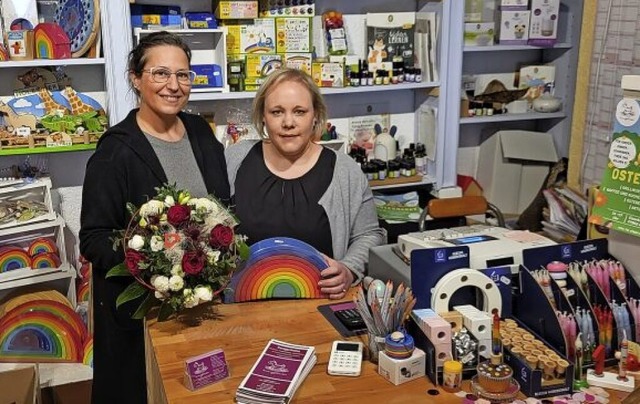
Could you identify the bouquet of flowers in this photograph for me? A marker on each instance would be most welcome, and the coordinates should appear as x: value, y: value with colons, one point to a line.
x: 180, y: 250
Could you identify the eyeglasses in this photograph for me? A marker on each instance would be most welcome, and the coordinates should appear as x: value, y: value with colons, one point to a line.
x: 162, y: 75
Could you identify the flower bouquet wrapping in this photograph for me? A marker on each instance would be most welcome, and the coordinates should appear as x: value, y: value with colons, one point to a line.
x: 180, y: 250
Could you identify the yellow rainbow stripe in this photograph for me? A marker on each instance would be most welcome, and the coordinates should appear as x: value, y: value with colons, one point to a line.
x: 42, y: 245
x: 12, y: 258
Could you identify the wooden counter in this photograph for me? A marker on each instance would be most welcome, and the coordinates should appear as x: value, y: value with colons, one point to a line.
x: 242, y: 330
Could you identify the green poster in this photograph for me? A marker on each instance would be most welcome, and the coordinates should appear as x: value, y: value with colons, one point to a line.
x: 618, y: 205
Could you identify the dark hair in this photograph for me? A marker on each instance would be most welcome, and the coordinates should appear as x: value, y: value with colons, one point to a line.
x: 139, y: 54
x: 280, y: 76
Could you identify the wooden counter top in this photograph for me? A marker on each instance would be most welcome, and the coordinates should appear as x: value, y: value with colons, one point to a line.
x: 242, y: 330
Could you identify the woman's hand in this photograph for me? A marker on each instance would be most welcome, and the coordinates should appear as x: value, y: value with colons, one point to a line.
x: 336, y: 279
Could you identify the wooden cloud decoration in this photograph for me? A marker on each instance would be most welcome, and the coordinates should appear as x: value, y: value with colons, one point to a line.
x: 278, y: 267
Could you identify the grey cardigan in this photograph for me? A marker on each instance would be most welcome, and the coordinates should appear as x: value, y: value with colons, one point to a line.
x: 348, y: 202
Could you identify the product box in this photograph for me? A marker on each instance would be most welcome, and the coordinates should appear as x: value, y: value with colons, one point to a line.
x: 479, y: 10
x: 327, y: 74
x: 538, y: 78
x: 237, y: 10
x: 544, y: 22
x: 207, y: 76
x: 257, y: 36
x: 253, y: 83
x: 21, y: 384
x: 513, y: 4
x: 262, y: 65
x: 479, y: 33
x: 532, y: 381
x: 276, y: 8
x: 20, y: 44
x: 298, y: 61
x: 293, y: 35
x: 514, y: 27
x: 143, y: 16
x: 399, y: 371
x: 201, y: 21
x: 512, y: 165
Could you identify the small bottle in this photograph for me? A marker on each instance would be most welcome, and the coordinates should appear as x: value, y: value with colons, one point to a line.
x: 386, y: 77
x: 452, y: 376
x: 418, y: 77
x: 378, y: 79
x: 354, y: 80
x: 369, y: 78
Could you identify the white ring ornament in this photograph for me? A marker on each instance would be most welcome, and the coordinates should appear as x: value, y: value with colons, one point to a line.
x: 449, y: 284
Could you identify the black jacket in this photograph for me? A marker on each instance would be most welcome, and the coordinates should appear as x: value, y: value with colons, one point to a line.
x: 125, y: 168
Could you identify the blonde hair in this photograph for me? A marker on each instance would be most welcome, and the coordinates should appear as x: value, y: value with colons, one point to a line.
x: 297, y: 76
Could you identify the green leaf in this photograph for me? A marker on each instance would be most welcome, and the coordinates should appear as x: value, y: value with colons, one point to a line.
x: 243, y: 248
x: 133, y: 291
x: 144, y: 307
x: 165, y: 311
x: 119, y: 270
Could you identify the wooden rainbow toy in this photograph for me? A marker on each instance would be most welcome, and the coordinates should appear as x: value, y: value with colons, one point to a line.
x: 12, y: 258
x: 51, y: 42
x: 38, y: 336
x: 83, y: 292
x: 62, y: 311
x: 87, y: 357
x: 278, y: 268
x: 45, y: 260
x: 42, y: 245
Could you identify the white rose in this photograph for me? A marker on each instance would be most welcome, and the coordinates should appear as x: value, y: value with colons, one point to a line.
x: 203, y: 293
x: 169, y: 201
x: 159, y: 295
x: 176, y: 283
x: 176, y: 270
x: 160, y: 283
x: 151, y: 208
x: 213, y: 256
x: 136, y: 242
x: 156, y: 243
x: 190, y: 299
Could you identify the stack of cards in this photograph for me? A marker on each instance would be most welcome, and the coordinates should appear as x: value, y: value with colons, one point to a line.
x: 277, y: 373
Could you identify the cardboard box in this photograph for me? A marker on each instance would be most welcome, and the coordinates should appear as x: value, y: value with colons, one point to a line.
x: 298, y: 61
x: 257, y: 36
x: 294, y: 35
x: 20, y: 385
x: 479, y: 33
x: 512, y: 165
x: 237, y: 10
x: 544, y: 22
x: 513, y: 28
x: 144, y: 16
x: 258, y: 65
x: 399, y: 371
x: 513, y: 4
x: 327, y: 74
x: 20, y: 44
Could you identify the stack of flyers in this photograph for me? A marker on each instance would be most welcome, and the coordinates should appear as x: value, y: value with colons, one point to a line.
x: 277, y: 373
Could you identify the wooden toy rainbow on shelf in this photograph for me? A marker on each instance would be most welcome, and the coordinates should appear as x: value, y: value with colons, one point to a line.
x: 42, y: 331
x: 278, y: 268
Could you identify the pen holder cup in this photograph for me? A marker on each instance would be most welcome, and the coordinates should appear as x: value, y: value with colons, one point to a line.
x: 375, y: 346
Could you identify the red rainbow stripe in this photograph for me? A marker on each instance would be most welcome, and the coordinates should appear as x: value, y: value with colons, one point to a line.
x: 42, y: 245
x: 12, y: 258
x: 45, y: 260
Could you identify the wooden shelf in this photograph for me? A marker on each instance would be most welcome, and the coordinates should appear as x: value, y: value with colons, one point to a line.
x: 40, y: 150
x: 389, y: 183
x: 53, y: 62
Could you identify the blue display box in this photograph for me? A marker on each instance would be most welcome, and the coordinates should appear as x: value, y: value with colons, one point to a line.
x: 207, y: 76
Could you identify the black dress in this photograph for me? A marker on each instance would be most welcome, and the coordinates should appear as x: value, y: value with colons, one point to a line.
x: 270, y: 206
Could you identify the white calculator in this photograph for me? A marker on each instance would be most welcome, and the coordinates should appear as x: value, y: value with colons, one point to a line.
x: 345, y: 359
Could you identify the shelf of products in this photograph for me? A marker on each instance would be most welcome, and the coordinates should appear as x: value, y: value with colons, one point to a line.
x: 529, y: 116
x: 49, y: 62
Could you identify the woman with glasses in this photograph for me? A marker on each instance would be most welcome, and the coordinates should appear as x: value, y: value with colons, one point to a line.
x: 155, y: 144
x: 289, y: 185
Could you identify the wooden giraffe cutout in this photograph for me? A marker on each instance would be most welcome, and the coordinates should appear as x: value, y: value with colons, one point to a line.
x: 77, y: 105
x: 50, y: 105
x: 17, y: 120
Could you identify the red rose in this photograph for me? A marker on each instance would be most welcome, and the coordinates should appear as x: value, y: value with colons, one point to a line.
x: 221, y: 236
x: 178, y: 214
x: 193, y: 262
x: 132, y: 258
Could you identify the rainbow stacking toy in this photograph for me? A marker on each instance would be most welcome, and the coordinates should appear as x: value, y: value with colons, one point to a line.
x: 62, y: 311
x: 45, y: 260
x: 87, y: 357
x: 278, y: 267
x: 39, y: 336
x: 12, y: 258
x: 42, y: 245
